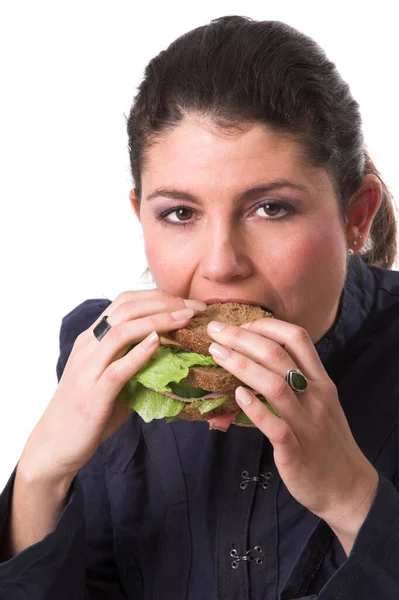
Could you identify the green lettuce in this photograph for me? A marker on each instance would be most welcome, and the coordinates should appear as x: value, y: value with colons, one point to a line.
x: 152, y: 405
x: 205, y: 406
x: 147, y: 403
x: 169, y: 365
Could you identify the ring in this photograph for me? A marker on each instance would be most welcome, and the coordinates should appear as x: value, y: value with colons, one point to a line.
x: 296, y: 380
x: 102, y: 328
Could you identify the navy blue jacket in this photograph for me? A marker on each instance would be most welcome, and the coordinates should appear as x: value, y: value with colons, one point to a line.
x: 158, y: 509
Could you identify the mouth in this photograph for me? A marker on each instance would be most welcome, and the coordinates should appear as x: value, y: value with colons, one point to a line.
x: 238, y: 300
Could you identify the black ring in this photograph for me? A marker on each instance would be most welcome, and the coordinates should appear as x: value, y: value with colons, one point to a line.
x: 102, y: 328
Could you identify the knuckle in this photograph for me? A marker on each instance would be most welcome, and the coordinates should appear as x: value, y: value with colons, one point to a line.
x: 283, y: 436
x: 124, y: 297
x: 237, y: 333
x: 165, y: 295
x: 241, y: 363
x: 166, y: 298
x: 274, y: 353
x: 154, y: 321
x: 278, y: 387
x: 115, y: 335
x: 121, y: 313
x: 301, y: 335
x: 114, y: 372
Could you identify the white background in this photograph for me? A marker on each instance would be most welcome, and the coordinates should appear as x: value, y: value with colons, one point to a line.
x: 68, y: 74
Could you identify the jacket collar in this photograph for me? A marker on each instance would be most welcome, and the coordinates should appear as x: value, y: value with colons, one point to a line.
x: 356, y: 301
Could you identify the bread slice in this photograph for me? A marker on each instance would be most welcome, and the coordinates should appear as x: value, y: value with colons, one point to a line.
x: 194, y: 336
x: 211, y: 379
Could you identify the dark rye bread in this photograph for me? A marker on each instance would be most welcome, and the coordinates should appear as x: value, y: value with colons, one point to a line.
x: 211, y: 379
x: 194, y: 336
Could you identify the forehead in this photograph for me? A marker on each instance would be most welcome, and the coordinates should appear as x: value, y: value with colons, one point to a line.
x: 198, y: 153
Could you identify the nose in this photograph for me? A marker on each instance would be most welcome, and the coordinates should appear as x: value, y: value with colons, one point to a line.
x: 224, y: 255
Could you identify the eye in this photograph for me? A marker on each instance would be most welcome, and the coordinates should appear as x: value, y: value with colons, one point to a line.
x: 183, y: 214
x: 273, y: 210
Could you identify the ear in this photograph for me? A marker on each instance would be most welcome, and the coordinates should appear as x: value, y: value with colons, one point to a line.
x: 134, y: 202
x: 362, y: 208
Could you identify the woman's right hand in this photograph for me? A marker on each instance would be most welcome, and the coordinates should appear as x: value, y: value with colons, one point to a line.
x: 83, y: 411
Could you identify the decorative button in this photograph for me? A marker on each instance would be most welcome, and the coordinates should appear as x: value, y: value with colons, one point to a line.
x: 262, y: 479
x: 249, y: 556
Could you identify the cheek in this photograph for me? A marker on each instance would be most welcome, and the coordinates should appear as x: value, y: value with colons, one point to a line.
x: 310, y: 280
x: 317, y: 255
x: 170, y: 269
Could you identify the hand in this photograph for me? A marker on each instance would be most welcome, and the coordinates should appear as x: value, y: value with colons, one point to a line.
x: 314, y: 450
x: 83, y: 411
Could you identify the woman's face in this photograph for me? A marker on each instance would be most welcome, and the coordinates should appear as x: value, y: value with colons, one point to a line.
x: 210, y: 236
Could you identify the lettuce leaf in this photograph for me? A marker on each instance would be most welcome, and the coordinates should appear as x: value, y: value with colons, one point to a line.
x: 205, y: 406
x: 147, y: 403
x: 169, y: 365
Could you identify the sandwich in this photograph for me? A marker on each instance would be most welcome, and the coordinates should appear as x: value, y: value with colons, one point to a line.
x: 182, y: 381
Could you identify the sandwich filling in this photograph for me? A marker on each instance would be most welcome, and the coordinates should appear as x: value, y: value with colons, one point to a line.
x: 182, y: 381
x: 158, y: 391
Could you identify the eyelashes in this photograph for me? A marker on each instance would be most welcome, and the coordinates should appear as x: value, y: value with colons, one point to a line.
x: 180, y: 207
x: 280, y: 206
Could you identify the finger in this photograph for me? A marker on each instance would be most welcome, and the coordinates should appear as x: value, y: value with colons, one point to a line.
x: 296, y: 341
x: 279, y: 432
x: 133, y: 305
x: 271, y: 385
x: 120, y: 337
x: 264, y: 351
x: 120, y: 371
x: 132, y: 311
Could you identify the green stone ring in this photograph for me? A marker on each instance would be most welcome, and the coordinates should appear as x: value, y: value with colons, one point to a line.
x: 296, y: 380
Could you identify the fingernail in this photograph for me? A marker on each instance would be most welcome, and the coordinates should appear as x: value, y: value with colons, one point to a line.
x: 150, y: 340
x: 243, y: 396
x: 216, y: 326
x: 183, y: 314
x: 195, y: 304
x: 246, y: 325
x: 219, y: 351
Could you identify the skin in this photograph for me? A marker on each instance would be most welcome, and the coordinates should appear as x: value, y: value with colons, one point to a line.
x: 294, y: 263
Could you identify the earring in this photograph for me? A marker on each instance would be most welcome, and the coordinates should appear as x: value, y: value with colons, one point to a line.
x: 355, y: 243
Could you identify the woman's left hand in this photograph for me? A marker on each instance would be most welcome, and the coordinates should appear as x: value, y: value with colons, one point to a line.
x: 314, y: 450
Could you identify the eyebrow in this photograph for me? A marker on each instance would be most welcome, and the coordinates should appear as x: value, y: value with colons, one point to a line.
x: 262, y: 188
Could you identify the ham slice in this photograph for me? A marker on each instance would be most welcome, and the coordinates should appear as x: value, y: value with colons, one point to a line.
x: 222, y: 422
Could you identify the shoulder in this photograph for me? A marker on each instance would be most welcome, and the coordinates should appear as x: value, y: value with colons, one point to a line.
x: 386, y: 280
x: 75, y: 322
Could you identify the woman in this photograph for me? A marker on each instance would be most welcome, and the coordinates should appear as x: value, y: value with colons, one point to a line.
x: 252, y: 183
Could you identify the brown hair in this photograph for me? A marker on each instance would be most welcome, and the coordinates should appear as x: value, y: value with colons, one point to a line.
x: 236, y: 71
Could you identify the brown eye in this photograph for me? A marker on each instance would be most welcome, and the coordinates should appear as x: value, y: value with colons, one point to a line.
x: 180, y: 216
x: 273, y: 210
x: 183, y: 214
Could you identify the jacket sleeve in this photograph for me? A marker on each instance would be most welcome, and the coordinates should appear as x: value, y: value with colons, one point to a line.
x: 372, y: 568
x: 76, y: 559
